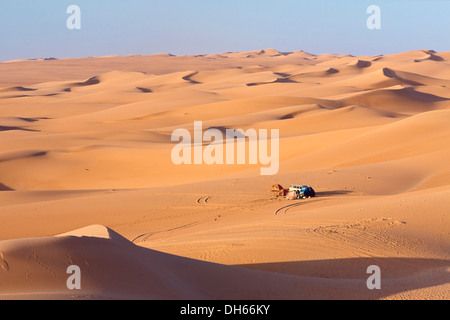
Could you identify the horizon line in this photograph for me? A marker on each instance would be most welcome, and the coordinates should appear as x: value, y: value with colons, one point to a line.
x: 51, y: 58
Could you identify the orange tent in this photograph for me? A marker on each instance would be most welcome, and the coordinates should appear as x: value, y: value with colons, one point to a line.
x: 277, y: 188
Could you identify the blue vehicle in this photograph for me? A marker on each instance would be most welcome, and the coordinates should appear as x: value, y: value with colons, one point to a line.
x: 302, y: 191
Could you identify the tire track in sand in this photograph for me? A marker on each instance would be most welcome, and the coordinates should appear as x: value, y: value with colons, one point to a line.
x: 286, y: 208
x: 144, y: 237
x: 203, y: 200
x: 367, y: 236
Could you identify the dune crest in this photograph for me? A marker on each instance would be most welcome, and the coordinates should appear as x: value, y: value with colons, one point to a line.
x: 94, y: 231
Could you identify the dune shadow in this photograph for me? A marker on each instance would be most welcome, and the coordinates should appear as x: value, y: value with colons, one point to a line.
x: 20, y: 88
x: 24, y: 156
x: 363, y: 64
x: 420, y: 96
x: 5, y: 188
x: 431, y: 56
x: 332, y: 71
x: 144, y: 90
x: 34, y: 119
x: 284, y: 80
x: 288, y: 116
x: 278, y: 80
x: 393, y: 75
x: 188, y: 78
x: 397, y: 274
x: 282, y: 74
x: 332, y: 193
x: 228, y: 132
x: 8, y: 128
x: 89, y: 82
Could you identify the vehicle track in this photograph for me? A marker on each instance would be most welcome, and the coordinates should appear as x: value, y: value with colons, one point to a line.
x: 293, y: 205
x: 288, y: 207
x: 203, y: 200
x: 368, y: 236
x: 144, y: 237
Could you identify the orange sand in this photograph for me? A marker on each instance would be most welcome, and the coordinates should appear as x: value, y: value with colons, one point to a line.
x: 86, y: 145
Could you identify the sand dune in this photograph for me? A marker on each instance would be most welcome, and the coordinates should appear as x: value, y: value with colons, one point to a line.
x: 86, y: 146
x: 114, y: 268
x: 388, y: 77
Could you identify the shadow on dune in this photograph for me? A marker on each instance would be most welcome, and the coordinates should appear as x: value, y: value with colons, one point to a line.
x: 89, y: 82
x: 431, y: 56
x: 420, y: 96
x: 23, y: 155
x: 363, y: 64
x: 144, y: 90
x: 189, y: 78
x: 34, y: 119
x: 20, y: 88
x: 114, y: 268
x: 5, y: 188
x: 332, y: 193
x: 8, y: 128
x: 397, y: 274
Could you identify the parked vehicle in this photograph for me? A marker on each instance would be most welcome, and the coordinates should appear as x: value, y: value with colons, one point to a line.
x: 302, y: 191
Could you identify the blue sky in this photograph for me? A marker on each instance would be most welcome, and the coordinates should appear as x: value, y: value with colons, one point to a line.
x: 37, y: 28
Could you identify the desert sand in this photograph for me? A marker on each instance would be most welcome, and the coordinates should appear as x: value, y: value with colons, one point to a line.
x: 86, y: 177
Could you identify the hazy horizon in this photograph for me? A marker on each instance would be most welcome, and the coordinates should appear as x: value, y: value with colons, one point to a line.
x: 33, y: 30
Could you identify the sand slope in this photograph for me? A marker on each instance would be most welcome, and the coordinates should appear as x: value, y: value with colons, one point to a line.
x: 87, y: 142
x: 113, y: 268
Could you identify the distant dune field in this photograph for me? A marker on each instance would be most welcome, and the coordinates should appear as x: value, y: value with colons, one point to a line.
x: 86, y: 177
